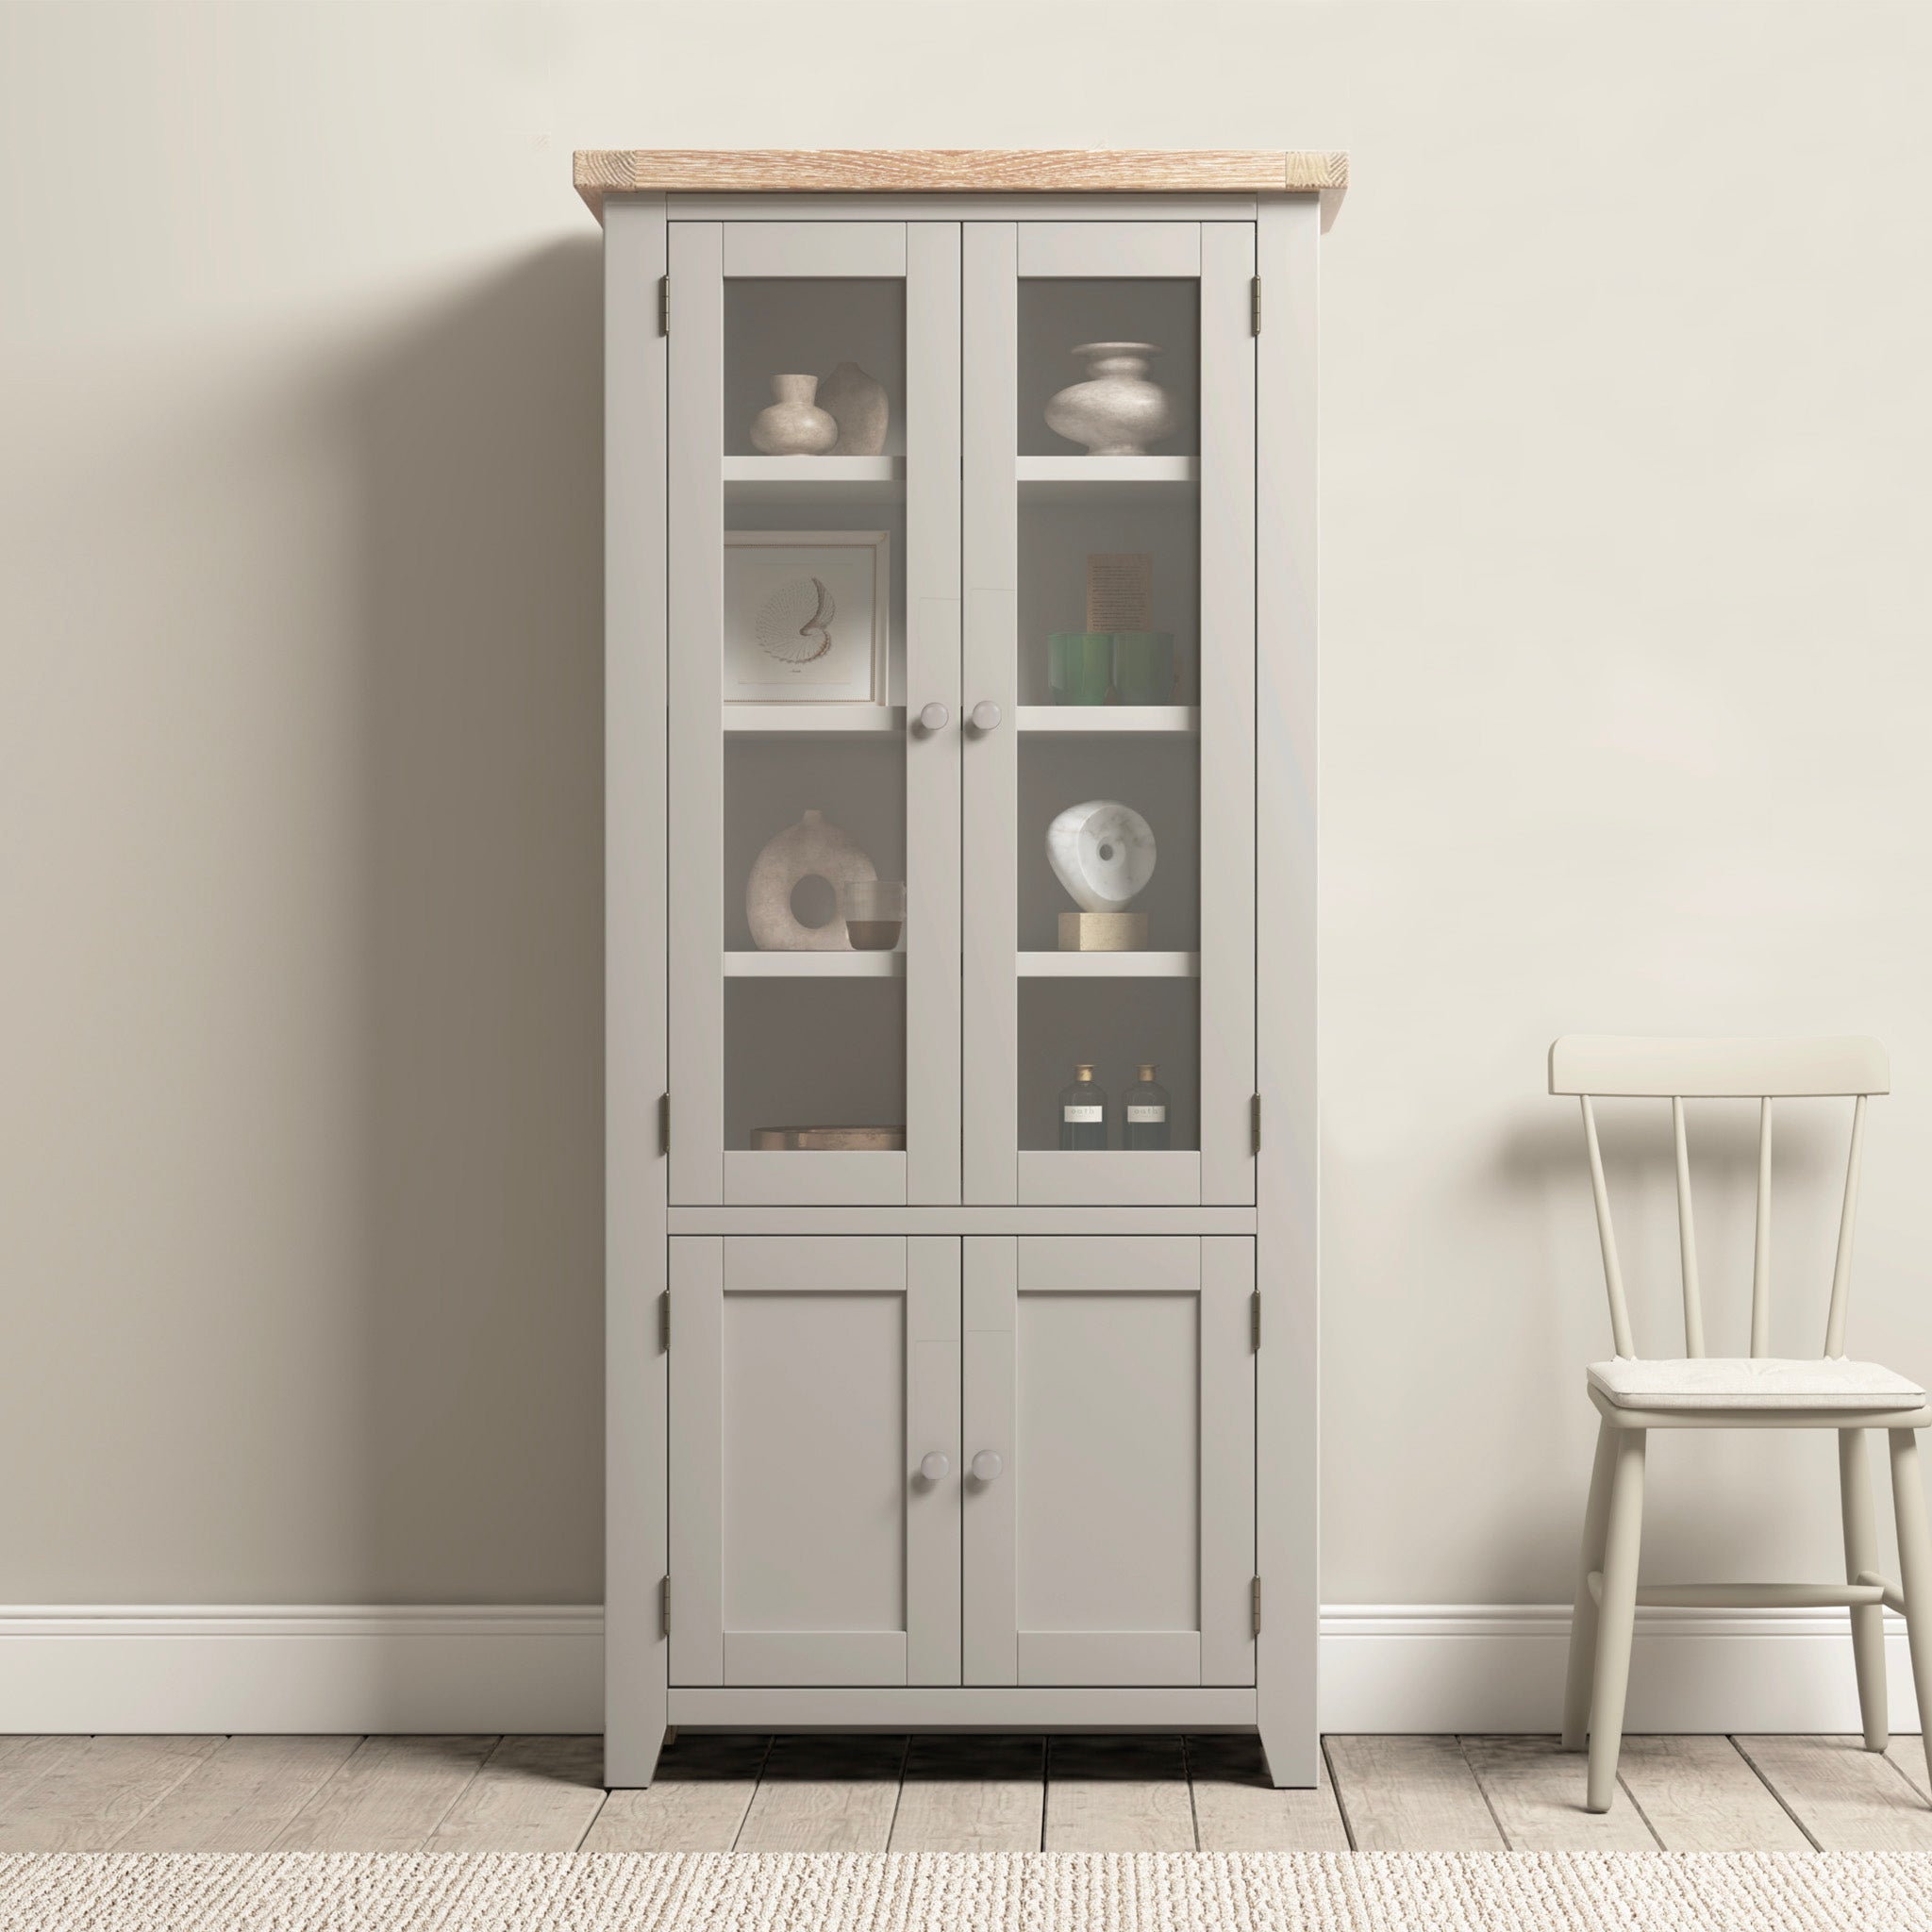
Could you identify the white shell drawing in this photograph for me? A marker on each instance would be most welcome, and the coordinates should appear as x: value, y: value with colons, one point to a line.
x: 1102, y: 852
x: 794, y: 623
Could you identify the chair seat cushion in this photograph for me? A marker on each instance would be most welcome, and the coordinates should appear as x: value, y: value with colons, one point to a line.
x: 1738, y: 1382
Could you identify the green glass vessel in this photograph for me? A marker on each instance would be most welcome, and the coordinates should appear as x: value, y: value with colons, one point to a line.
x: 1111, y: 667
x: 1143, y: 670
x: 1079, y: 666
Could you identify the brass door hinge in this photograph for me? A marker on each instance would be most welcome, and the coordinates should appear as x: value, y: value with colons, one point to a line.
x: 667, y: 1607
x: 1258, y: 1606
x: 1254, y: 1321
x: 663, y: 304
x: 664, y: 1322
x: 664, y: 1123
x: 1255, y: 1123
x: 1255, y: 309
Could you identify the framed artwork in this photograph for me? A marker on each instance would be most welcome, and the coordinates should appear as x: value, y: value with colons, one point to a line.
x: 807, y: 616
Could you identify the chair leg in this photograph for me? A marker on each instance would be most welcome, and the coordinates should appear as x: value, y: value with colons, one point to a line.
x: 1583, y: 1619
x: 1861, y: 1554
x: 1616, y: 1616
x: 1915, y: 1570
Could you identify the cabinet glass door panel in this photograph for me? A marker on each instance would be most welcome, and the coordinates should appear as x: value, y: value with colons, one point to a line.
x: 813, y: 439
x: 1110, y: 664
x: 1110, y: 1395
x: 814, y: 1383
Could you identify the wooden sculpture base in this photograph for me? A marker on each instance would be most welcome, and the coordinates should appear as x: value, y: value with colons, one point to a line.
x: 1102, y: 932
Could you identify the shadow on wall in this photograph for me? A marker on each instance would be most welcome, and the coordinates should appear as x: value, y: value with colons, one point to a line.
x: 478, y: 435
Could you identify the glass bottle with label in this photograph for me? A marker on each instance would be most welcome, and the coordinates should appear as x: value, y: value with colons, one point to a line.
x: 1145, y: 1104
x: 1083, y: 1112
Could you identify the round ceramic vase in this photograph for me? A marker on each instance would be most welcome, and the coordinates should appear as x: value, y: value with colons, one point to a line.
x: 813, y: 848
x: 1119, y: 410
x: 793, y: 424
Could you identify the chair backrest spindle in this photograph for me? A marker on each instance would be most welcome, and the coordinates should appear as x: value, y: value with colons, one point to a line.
x: 1687, y: 1234
x: 1767, y: 1071
x: 1841, y: 1264
x: 1613, y: 1274
x: 1761, y: 1246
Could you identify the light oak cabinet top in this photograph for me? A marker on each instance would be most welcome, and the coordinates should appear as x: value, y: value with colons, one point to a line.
x: 955, y: 171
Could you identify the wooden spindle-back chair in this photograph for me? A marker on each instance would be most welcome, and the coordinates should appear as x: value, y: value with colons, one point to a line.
x: 1634, y: 1394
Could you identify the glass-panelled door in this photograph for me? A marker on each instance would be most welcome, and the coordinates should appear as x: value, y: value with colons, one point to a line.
x: 815, y: 689
x: 1108, y: 749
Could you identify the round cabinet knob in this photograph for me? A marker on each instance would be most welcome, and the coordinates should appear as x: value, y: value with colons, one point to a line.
x: 986, y: 717
x: 934, y: 1468
x: 987, y: 1465
x: 935, y: 717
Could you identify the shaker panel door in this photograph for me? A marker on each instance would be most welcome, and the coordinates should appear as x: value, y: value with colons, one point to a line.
x: 1109, y: 1518
x: 810, y: 1380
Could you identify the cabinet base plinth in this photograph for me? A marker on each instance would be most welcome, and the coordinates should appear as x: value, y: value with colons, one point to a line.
x: 951, y: 1707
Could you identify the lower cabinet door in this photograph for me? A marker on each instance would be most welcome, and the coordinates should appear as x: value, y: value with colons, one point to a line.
x: 810, y: 1380
x: 1109, y: 1509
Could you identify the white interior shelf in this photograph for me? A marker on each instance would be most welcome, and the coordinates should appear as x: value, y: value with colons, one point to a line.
x: 828, y: 479
x: 756, y: 965
x: 1144, y: 477
x: 1110, y: 965
x: 1072, y: 721
x: 815, y: 720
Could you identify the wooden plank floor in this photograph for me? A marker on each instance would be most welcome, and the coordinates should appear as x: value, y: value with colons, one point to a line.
x: 717, y: 1793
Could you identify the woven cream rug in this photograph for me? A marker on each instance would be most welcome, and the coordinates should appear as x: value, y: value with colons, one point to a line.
x: 1065, y: 1892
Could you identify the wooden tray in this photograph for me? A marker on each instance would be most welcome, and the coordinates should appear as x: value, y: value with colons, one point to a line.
x: 828, y: 1139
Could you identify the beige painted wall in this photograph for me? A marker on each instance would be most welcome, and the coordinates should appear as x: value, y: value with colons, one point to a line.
x: 1625, y: 684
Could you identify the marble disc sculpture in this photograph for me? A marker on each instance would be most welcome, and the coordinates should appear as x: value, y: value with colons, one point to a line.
x: 810, y: 849
x: 1102, y: 852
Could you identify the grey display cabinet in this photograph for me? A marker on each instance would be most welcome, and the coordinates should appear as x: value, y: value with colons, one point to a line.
x: 948, y: 1425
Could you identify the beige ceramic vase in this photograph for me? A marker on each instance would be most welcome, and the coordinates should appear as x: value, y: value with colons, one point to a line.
x: 811, y: 849
x: 793, y: 424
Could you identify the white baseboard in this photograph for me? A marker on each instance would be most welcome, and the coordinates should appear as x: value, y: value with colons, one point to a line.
x: 478, y: 1668
x: 1499, y: 1667
x: 302, y: 1668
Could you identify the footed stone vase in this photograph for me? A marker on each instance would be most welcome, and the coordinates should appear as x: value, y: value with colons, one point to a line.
x: 793, y: 424
x: 1119, y: 410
